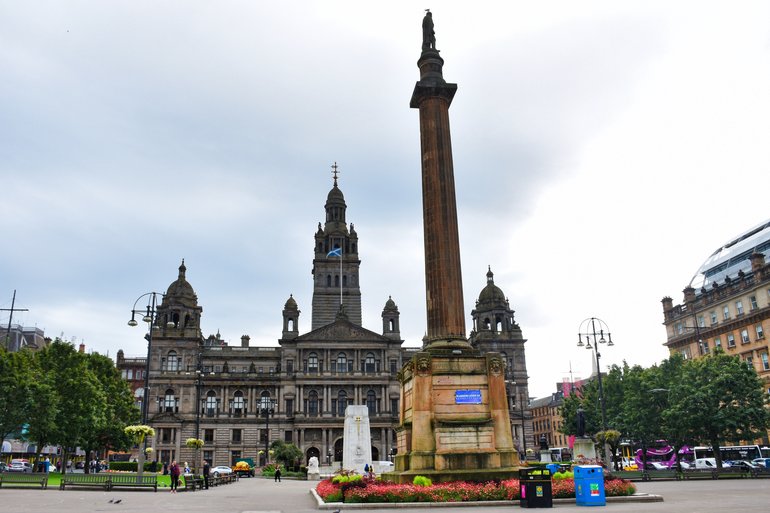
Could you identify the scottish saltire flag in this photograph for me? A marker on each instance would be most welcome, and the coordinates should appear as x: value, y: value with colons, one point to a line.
x: 335, y: 252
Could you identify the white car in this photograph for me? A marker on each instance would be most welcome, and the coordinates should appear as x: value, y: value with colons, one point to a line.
x: 221, y: 469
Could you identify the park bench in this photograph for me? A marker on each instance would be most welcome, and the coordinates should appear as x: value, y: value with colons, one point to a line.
x: 649, y: 475
x: 89, y: 480
x: 192, y: 483
x: 22, y: 479
x: 133, y: 481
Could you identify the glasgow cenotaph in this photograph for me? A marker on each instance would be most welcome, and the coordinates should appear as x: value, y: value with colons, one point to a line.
x: 453, y: 419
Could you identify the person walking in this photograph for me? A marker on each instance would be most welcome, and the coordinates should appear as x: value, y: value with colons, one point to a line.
x: 277, y: 474
x: 206, y: 471
x: 174, y: 470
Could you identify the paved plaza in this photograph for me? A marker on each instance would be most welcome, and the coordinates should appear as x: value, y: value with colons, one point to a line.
x: 263, y: 496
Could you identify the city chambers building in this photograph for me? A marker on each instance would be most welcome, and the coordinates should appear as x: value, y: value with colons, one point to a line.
x: 239, y: 399
x: 727, y: 304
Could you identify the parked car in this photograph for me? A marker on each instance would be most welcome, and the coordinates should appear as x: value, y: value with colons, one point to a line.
x: 19, y: 466
x: 743, y: 464
x: 709, y: 463
x: 762, y: 462
x: 221, y: 470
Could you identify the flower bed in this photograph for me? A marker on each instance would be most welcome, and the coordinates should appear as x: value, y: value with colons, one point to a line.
x: 379, y: 491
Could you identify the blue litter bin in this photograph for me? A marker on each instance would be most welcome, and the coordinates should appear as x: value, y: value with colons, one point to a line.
x: 589, y: 485
x: 553, y: 467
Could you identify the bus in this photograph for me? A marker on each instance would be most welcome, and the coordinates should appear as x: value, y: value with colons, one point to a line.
x: 561, y: 454
x: 729, y: 453
x: 660, y: 454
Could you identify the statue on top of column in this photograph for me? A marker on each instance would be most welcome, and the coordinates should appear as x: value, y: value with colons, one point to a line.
x: 428, y: 35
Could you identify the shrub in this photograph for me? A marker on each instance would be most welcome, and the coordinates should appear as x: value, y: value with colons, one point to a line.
x: 422, y: 481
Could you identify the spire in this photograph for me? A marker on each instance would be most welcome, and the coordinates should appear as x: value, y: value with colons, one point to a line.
x: 334, y: 172
x: 182, y: 269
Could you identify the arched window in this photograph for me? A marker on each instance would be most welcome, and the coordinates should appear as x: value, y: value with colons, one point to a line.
x: 342, y: 362
x: 290, y: 324
x: 169, y: 401
x: 344, y: 280
x: 342, y: 403
x: 371, y: 402
x: 369, y: 364
x: 239, y: 406
x: 312, y: 403
x: 328, y: 280
x: 265, y: 403
x: 172, y: 361
x: 487, y: 324
x: 211, y: 403
x: 336, y: 280
x: 312, y: 363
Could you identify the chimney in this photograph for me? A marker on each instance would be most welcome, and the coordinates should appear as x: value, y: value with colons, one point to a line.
x: 245, y: 341
x: 82, y: 348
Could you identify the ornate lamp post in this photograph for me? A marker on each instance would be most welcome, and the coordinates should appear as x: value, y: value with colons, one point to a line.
x: 588, y: 329
x: 149, y: 315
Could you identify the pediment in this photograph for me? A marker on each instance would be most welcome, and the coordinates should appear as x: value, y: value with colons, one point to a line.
x: 341, y: 330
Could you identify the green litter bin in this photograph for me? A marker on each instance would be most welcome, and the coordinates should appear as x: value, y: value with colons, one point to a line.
x: 589, y: 485
x: 535, y: 488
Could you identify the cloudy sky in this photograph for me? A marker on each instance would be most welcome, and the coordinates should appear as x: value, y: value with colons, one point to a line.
x: 602, y: 150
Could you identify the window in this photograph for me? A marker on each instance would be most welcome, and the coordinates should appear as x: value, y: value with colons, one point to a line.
x: 239, y: 406
x: 739, y: 307
x: 714, y: 319
x: 749, y: 361
x: 169, y: 402
x: 760, y: 331
x: 287, y: 436
x: 211, y: 404
x: 208, y: 435
x: 312, y: 363
x: 371, y: 402
x: 703, y: 346
x: 730, y: 340
x: 701, y: 321
x: 342, y: 363
x: 394, y: 366
x: 369, y: 364
x: 342, y: 403
x: 289, y: 406
x: 394, y: 407
x: 237, y: 435
x: 679, y: 328
x: 765, y: 362
x: 290, y: 367
x: 753, y: 301
x: 235, y: 457
x: 167, y: 435
x: 745, y: 336
x: 172, y: 362
x: 717, y: 343
x: 208, y: 456
x: 312, y: 403
x: 726, y: 312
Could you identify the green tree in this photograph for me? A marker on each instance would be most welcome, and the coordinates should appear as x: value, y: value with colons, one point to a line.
x: 80, y: 402
x: 286, y: 453
x: 15, y: 391
x: 717, y: 399
x: 117, y: 411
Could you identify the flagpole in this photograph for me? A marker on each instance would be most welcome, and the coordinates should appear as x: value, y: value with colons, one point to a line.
x: 340, y: 275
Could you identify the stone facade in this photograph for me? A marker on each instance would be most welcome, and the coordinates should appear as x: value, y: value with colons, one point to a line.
x: 239, y: 398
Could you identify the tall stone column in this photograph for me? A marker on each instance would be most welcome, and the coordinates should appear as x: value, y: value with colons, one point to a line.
x: 443, y: 275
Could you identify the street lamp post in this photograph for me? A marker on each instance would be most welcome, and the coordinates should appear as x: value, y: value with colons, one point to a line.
x: 267, y: 408
x: 149, y: 315
x: 588, y: 329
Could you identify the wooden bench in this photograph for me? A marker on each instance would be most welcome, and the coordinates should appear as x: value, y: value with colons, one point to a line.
x: 192, y: 483
x: 649, y: 475
x: 133, y: 481
x: 91, y: 480
x: 22, y: 479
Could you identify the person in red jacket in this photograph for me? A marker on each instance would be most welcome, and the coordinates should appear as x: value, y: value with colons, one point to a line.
x: 174, y: 470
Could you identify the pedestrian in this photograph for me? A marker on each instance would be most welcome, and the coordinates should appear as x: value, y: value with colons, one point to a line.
x: 165, y: 468
x: 174, y: 470
x: 277, y: 474
x: 206, y: 470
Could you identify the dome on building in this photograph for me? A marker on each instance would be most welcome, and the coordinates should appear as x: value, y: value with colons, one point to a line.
x: 291, y: 304
x: 390, y: 304
x: 181, y: 290
x: 491, y: 294
x: 733, y: 257
x: 335, y: 196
